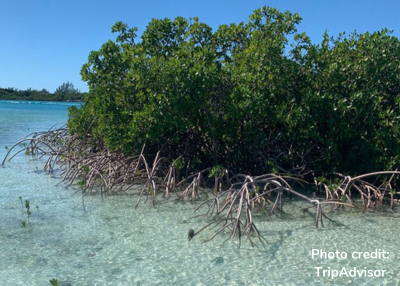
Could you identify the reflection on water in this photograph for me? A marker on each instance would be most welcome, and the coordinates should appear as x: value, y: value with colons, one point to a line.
x: 87, y: 241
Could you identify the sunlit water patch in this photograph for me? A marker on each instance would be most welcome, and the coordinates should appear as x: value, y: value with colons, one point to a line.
x: 85, y: 240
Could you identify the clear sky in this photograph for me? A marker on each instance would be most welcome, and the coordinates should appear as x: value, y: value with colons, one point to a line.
x: 44, y: 43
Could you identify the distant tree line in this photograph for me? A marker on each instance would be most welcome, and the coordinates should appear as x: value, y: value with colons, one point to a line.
x: 65, y: 92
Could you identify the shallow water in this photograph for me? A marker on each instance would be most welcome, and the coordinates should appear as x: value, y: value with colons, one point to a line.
x: 90, y: 241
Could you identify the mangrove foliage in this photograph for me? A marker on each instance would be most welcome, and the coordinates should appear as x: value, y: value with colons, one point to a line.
x: 252, y: 97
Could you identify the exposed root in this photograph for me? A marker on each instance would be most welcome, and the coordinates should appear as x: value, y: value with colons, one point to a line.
x: 238, y: 202
x: 372, y: 192
x: 235, y: 196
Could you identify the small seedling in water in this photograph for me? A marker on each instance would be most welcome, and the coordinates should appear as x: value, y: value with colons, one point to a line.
x: 81, y: 183
x: 54, y: 282
x: 28, y: 208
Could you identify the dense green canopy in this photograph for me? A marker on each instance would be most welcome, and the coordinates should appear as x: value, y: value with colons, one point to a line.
x: 253, y: 97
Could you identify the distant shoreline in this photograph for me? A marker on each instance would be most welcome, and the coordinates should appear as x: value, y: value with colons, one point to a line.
x: 44, y: 100
x: 66, y: 92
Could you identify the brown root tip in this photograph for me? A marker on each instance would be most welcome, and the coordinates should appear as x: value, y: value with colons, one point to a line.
x: 191, y: 234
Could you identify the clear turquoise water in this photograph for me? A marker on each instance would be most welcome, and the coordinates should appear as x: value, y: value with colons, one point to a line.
x: 111, y: 243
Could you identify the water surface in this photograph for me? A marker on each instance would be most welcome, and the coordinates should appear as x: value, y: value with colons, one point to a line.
x: 90, y: 241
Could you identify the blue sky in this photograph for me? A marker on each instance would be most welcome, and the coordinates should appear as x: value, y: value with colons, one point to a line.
x: 44, y: 43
